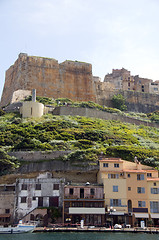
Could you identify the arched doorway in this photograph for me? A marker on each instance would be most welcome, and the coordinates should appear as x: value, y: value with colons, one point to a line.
x: 129, y: 206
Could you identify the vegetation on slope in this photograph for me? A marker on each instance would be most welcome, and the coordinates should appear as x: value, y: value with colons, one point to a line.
x: 86, y: 137
x: 118, y: 102
x: 7, y: 163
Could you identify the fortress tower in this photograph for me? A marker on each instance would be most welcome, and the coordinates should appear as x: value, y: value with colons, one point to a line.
x: 70, y: 79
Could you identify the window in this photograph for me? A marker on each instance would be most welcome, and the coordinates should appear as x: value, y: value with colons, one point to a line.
x: 7, y: 210
x: 71, y: 191
x: 155, y: 89
x: 140, y: 176
x: 113, y: 175
x: 128, y: 175
x: 56, y: 187
x: 116, y: 165
x: 128, y: 84
x: 154, y: 190
x: 92, y: 191
x: 38, y: 187
x: 24, y: 187
x: 140, y: 190
x: 23, y: 199
x: 154, y: 207
x: 142, y: 88
x: 34, y: 198
x: 149, y: 174
x: 105, y: 164
x: 115, y: 188
x: 154, y: 184
x: 141, y: 204
x: 129, y: 188
x: 115, y: 202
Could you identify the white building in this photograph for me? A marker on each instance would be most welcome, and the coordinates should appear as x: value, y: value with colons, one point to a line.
x: 43, y: 191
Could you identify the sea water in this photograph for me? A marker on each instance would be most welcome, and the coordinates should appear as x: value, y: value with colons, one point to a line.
x: 80, y: 236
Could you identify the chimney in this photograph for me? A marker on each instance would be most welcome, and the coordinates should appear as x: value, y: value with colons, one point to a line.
x: 138, y: 164
x: 33, y: 95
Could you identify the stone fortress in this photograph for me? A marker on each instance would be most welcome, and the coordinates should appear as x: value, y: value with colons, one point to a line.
x: 74, y: 80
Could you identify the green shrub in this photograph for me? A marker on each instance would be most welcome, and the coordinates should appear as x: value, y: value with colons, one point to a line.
x: 118, y: 101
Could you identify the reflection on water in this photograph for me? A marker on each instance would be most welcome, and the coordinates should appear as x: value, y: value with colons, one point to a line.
x: 79, y: 236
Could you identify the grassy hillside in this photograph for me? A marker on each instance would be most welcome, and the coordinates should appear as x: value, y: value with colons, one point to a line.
x: 86, y: 137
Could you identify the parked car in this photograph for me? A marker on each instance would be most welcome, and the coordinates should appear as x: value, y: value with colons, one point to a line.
x: 117, y: 226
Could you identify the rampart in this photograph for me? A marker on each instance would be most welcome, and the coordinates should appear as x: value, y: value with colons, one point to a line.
x: 70, y: 79
x: 35, y: 162
x: 88, y: 112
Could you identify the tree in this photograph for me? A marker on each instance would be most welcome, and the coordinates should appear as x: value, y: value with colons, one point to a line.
x: 118, y: 101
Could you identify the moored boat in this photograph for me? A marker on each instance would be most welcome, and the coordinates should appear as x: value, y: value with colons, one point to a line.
x: 20, y: 228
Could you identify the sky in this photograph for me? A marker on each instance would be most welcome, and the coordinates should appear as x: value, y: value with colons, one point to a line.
x: 109, y: 34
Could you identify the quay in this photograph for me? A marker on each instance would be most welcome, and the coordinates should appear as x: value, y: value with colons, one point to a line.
x: 97, y: 229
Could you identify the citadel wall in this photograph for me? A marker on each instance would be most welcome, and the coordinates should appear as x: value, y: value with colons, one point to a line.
x: 74, y: 80
x: 50, y: 79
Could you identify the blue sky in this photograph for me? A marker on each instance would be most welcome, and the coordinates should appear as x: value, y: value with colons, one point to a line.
x: 106, y: 33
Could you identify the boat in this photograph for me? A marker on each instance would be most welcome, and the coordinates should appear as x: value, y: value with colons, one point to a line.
x: 20, y: 228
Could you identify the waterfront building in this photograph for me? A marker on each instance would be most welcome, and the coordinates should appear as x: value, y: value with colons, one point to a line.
x: 84, y: 202
x: 131, y: 191
x: 41, y: 192
x: 7, y: 203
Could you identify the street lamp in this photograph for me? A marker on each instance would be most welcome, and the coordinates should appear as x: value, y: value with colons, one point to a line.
x: 111, y: 210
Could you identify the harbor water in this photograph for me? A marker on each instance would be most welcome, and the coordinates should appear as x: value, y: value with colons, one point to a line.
x: 79, y: 236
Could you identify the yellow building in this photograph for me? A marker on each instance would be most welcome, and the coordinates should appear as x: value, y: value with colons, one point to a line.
x: 131, y: 192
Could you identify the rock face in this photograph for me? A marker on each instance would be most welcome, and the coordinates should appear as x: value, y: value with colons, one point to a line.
x: 50, y: 79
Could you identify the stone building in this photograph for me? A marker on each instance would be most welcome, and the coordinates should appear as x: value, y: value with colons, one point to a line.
x: 84, y: 202
x: 74, y: 80
x: 43, y: 191
x: 7, y: 204
x: 154, y: 87
x: 70, y: 79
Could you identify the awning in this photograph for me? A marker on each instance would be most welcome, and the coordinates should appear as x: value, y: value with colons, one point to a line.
x: 84, y: 210
x: 141, y: 215
x: 5, y: 215
x: 117, y: 213
x: 154, y: 215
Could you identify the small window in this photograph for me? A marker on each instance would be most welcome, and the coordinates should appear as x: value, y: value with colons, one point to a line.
x: 140, y: 176
x: 24, y: 187
x: 23, y: 199
x: 116, y: 165
x: 105, y: 164
x: 140, y: 190
x: 115, y: 188
x: 149, y: 174
x: 155, y: 89
x: 34, y: 198
x: 56, y: 187
x: 92, y: 191
x: 128, y: 175
x: 154, y: 190
x: 7, y: 210
x: 129, y: 188
x: 141, y: 204
x: 38, y: 187
x: 113, y: 175
x: 71, y: 191
x: 154, y: 184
